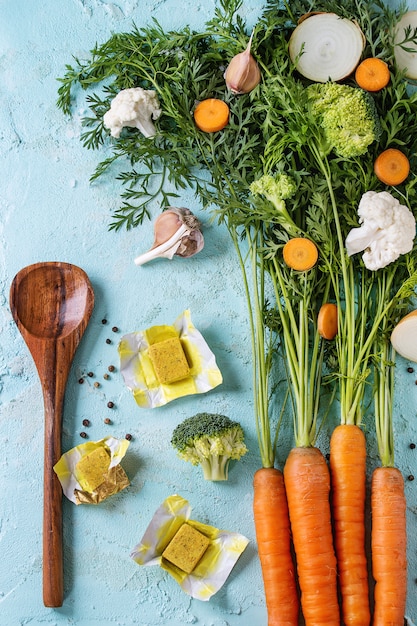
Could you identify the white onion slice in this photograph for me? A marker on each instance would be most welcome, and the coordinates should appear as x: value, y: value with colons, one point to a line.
x: 326, y: 47
x: 404, y: 337
x: 406, y: 61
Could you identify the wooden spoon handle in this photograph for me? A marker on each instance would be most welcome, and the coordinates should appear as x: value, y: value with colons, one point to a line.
x: 53, y: 571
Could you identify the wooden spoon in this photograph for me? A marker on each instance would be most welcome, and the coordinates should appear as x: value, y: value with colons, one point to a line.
x: 51, y: 304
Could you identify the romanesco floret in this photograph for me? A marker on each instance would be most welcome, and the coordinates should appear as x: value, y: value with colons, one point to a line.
x: 277, y: 189
x: 347, y: 115
x: 210, y: 440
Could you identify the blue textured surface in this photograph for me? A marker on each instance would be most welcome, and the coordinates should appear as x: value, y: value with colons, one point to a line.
x: 49, y: 211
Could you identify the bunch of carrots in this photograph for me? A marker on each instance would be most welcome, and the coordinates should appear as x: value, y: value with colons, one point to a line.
x: 327, y: 510
x: 317, y: 508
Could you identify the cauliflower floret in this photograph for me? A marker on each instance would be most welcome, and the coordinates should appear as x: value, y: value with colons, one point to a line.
x: 134, y: 107
x: 387, y: 230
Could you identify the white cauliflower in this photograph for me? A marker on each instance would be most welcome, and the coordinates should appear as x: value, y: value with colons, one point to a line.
x: 134, y: 107
x: 387, y: 230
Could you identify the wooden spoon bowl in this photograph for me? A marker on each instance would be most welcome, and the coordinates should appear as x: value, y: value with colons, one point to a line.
x: 51, y: 304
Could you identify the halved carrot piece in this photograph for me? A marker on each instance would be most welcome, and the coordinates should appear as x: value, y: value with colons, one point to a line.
x: 300, y: 254
x: 392, y: 166
x: 372, y: 74
x: 211, y: 115
x: 327, y: 321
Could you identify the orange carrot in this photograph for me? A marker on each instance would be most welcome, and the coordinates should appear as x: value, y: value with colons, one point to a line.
x: 327, y: 321
x: 307, y: 482
x: 388, y: 546
x: 300, y: 254
x: 392, y: 166
x: 348, y: 479
x: 372, y: 74
x: 274, y: 547
x: 211, y: 115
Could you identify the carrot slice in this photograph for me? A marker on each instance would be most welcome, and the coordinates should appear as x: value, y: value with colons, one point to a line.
x: 327, y: 321
x: 211, y: 115
x: 300, y: 254
x: 392, y: 166
x: 372, y: 74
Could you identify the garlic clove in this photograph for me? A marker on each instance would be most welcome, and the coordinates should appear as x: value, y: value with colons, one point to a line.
x: 176, y: 232
x: 243, y: 73
x: 165, y: 226
x: 166, y: 249
x: 191, y: 244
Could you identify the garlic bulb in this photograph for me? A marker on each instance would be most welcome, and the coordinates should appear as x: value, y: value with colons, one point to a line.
x: 242, y: 74
x: 176, y: 232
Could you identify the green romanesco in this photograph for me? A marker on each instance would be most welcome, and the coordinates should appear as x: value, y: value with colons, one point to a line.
x: 277, y: 189
x: 347, y: 116
x: 210, y: 440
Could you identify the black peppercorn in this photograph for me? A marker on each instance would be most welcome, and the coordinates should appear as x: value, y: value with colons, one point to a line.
x: 128, y: 437
x: 90, y: 374
x: 111, y: 368
x: 412, y: 446
x: 110, y: 404
x: 115, y: 329
x: 81, y: 380
x: 83, y: 435
x: 108, y: 340
x: 104, y: 321
x: 410, y: 477
x: 107, y: 420
x: 86, y: 422
x: 410, y: 370
x: 106, y: 376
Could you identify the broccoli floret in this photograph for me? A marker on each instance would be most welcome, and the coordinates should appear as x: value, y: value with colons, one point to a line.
x: 347, y: 115
x: 277, y: 189
x: 210, y: 440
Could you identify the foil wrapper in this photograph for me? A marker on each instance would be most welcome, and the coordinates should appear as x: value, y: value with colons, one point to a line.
x: 139, y: 374
x: 216, y: 563
x: 114, y: 479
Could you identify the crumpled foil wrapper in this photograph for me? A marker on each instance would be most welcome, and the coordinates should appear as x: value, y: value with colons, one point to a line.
x: 139, y: 374
x: 216, y: 563
x: 114, y: 481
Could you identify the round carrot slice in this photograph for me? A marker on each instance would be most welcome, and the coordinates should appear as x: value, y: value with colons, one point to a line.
x: 392, y: 166
x: 372, y: 74
x: 300, y: 254
x: 327, y: 321
x: 211, y: 115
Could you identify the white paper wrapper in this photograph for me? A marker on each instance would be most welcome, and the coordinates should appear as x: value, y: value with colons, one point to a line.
x: 139, y: 374
x: 216, y: 563
x: 65, y: 469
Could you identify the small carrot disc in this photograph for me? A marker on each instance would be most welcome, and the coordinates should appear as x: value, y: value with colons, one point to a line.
x: 211, y: 115
x: 300, y: 254
x: 392, y: 166
x: 372, y: 74
x: 327, y: 321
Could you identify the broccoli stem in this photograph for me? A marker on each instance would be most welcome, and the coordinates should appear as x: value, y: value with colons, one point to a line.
x: 216, y: 467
